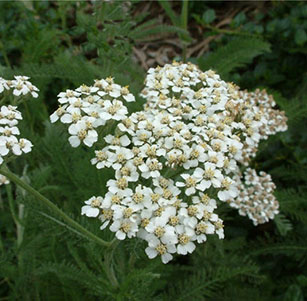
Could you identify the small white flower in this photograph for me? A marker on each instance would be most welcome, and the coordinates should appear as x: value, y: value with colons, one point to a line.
x: 117, y: 141
x: 192, y: 136
x: 119, y: 186
x: 68, y: 96
x: 159, y: 229
x: 151, y: 168
x: 3, y: 85
x: 22, y: 86
x: 113, y: 110
x: 212, y: 176
x: 191, y: 181
x: 185, y: 235
x: 6, y: 144
x: 120, y: 157
x: 58, y: 113
x: 124, y: 228
x: 155, y: 247
x: 92, y: 207
x: 229, y: 191
x: 102, y: 158
x: 71, y: 116
x: 23, y: 145
x: 86, y: 90
x: 128, y: 171
x: 80, y: 133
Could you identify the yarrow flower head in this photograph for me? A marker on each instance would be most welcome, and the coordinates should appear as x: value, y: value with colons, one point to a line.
x: 175, y: 160
x: 89, y: 109
x: 256, y: 199
x: 10, y: 144
x: 20, y: 85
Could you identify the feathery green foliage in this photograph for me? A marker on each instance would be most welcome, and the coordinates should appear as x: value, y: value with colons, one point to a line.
x: 237, y: 53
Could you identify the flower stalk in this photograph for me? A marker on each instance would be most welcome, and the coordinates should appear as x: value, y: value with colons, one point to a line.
x: 11, y: 176
x: 108, y: 262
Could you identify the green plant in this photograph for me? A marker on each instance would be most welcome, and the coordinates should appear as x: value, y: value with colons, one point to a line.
x: 62, y: 45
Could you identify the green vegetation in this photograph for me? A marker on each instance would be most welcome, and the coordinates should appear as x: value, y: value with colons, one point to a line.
x: 64, y: 44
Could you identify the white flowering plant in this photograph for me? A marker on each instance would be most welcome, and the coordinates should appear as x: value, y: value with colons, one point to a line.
x: 175, y: 161
x: 124, y: 176
x: 12, y: 94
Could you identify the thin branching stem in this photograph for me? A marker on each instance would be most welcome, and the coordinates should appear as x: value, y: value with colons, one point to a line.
x: 6, y: 59
x: 108, y: 262
x: 184, y: 25
x: 11, y: 204
x: 11, y: 176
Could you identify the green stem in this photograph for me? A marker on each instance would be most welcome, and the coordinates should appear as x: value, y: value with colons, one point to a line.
x: 5, y: 55
x: 184, y: 25
x: 3, y: 98
x: 30, y: 120
x: 132, y: 260
x: 11, y: 176
x: 108, y: 258
x: 184, y: 19
x: 20, y: 226
x: 9, y: 193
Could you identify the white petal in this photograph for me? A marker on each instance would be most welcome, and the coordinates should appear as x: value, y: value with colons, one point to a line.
x: 124, y: 140
x: 198, y: 172
x: 66, y: 118
x: 181, y: 250
x: 120, y: 235
x: 190, y: 247
x: 54, y: 117
x: 190, y: 191
x: 129, y: 98
x: 203, y: 185
x: 92, y: 212
x: 223, y: 195
x: 74, y: 141
x: 84, y: 209
x: 16, y: 149
x: 166, y: 257
x: 151, y: 252
x: 104, y: 225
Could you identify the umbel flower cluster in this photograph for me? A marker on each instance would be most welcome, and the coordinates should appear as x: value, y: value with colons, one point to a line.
x: 88, y: 108
x: 20, y: 85
x: 10, y: 144
x: 256, y: 198
x: 177, y: 159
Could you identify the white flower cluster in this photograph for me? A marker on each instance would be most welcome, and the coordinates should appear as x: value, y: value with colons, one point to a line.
x: 88, y: 108
x: 9, y: 143
x: 9, y: 118
x: 175, y: 160
x: 256, y: 199
x: 21, y: 86
x: 254, y: 116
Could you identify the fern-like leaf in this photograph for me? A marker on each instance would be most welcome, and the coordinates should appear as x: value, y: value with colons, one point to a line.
x: 283, y: 224
x: 235, y: 54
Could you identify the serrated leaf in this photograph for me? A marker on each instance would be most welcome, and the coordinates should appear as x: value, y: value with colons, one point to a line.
x: 283, y: 224
x: 235, y: 54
